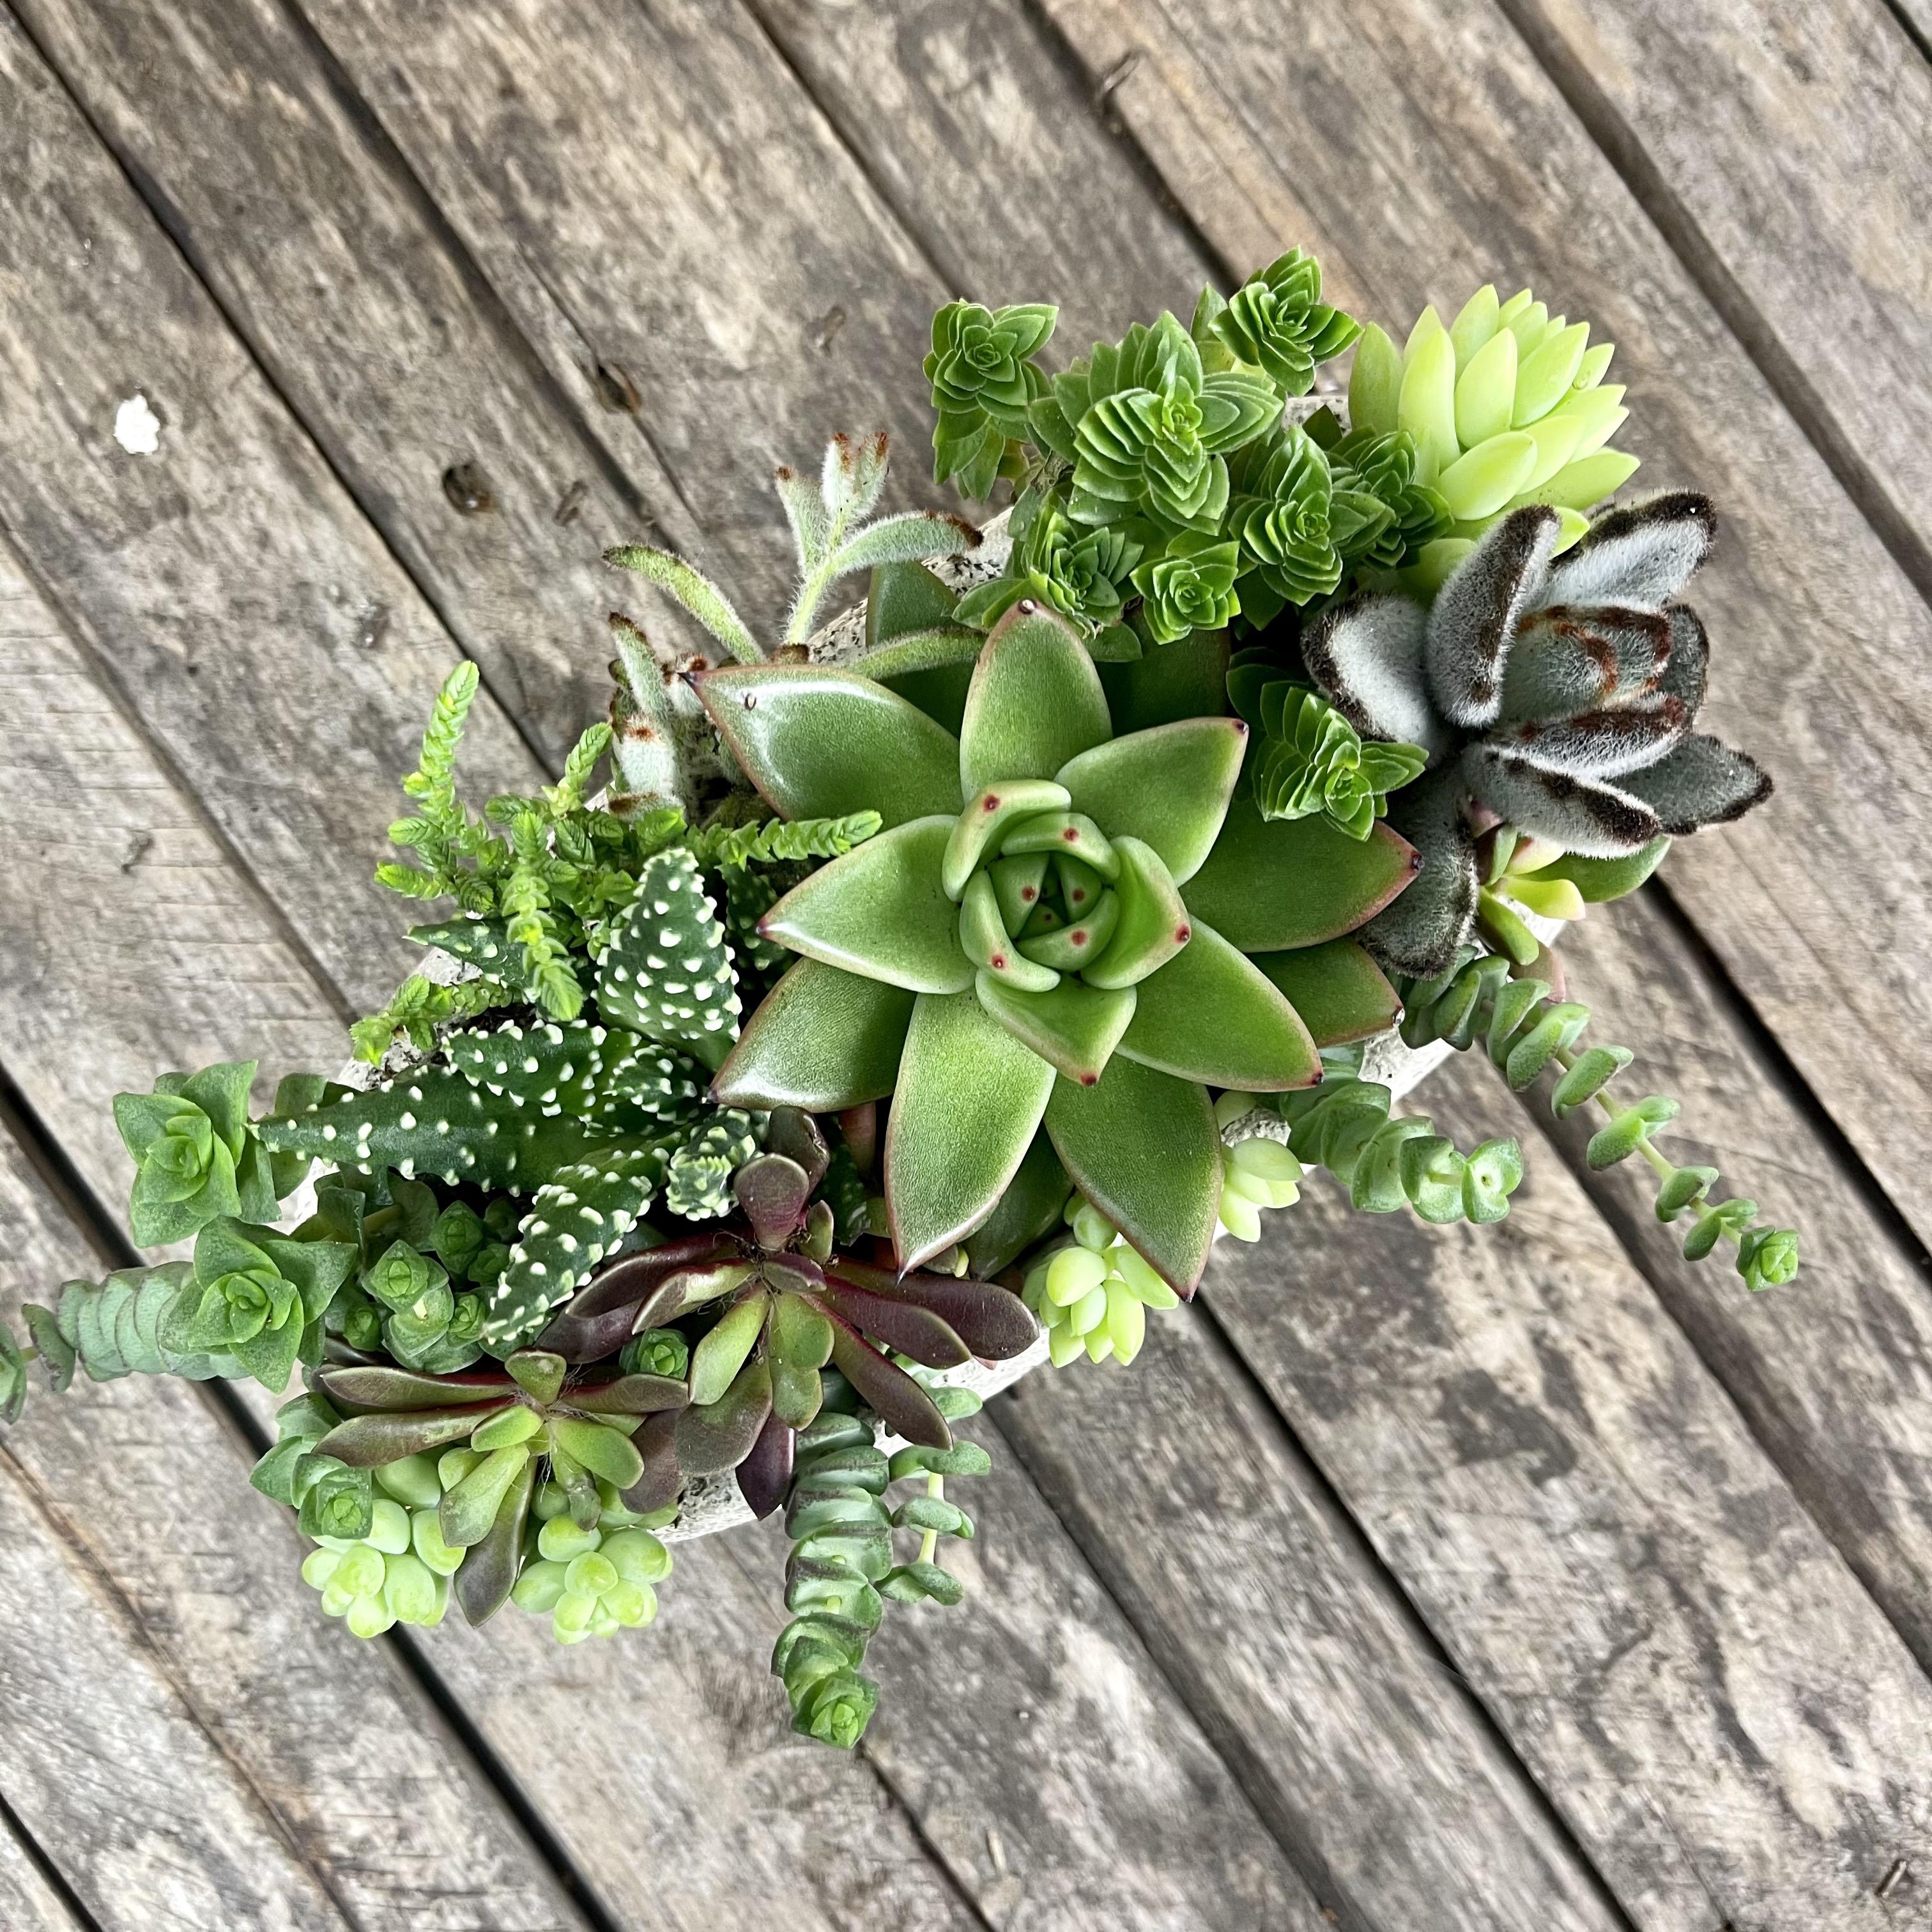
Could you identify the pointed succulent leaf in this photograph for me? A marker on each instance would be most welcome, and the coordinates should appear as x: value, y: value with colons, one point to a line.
x: 1066, y: 947
x: 1596, y: 820
x: 1577, y: 486
x: 1419, y: 932
x: 368, y: 1441
x: 1186, y: 680
x: 764, y: 1477
x: 630, y: 1395
x: 1375, y: 383
x: 1367, y: 655
x: 606, y: 1452
x: 1687, y: 673
x: 881, y: 912
x: 662, y: 1481
x: 904, y: 600
x: 903, y: 539
x: 1168, y: 787
x: 1701, y: 782
x: 489, y: 1571
x: 1642, y: 553
x: 917, y: 654
x: 988, y: 815
x: 992, y: 1322
x: 664, y: 970
x: 1270, y: 884
x: 1074, y: 1026
x: 376, y: 1386
x: 1143, y: 1147
x: 1339, y: 991
x: 582, y: 1214
x: 1565, y: 660
x: 968, y: 1099
x: 822, y: 1039
x: 903, y: 1326
x: 1066, y: 835
x: 692, y: 589
x: 719, y: 1435
x: 823, y: 744
x: 1153, y: 925
x: 1477, y: 611
x: 1597, y: 880
x: 1211, y: 1015
x: 904, y: 1408
x: 984, y: 939
x: 1036, y: 701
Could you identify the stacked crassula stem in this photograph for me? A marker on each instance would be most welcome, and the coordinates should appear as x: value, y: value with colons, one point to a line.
x: 891, y: 1021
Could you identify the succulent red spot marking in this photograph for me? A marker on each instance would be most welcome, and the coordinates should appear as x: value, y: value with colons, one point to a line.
x: 998, y: 962
x: 992, y: 804
x: 1089, y: 1079
x: 1079, y: 893
x: 1070, y: 834
x: 1027, y: 894
x: 1076, y: 937
x: 1183, y: 934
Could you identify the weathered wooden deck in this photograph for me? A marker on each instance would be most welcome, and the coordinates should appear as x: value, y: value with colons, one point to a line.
x: 1415, y: 1581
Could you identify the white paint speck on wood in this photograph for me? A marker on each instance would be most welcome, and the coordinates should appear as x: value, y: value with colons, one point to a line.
x: 136, y: 428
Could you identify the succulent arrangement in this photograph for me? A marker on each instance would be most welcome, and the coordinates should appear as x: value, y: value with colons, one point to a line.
x: 925, y: 990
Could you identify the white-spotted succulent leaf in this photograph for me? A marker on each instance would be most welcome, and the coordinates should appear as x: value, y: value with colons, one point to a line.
x: 581, y: 1215
x: 664, y: 970
x: 698, y: 1181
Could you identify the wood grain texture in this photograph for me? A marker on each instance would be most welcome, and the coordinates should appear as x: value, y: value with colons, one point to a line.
x: 1358, y: 1746
x: 100, y: 1756
x: 224, y: 585
x: 1729, y: 1723
x: 27, y: 1901
x: 387, y: 347
x: 654, y: 182
x: 1423, y: 191
x: 1792, y: 143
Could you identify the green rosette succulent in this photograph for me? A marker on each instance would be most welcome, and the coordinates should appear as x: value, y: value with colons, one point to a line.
x: 1507, y: 405
x: 1041, y: 936
x: 1148, y: 429
x: 1086, y: 575
x: 1276, y: 322
x: 252, y: 1296
x: 982, y: 380
x: 196, y: 1158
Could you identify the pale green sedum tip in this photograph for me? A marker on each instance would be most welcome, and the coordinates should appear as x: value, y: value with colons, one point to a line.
x: 1508, y: 406
x: 1092, y: 1296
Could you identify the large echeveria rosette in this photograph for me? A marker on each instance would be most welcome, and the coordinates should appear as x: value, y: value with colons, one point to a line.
x: 1035, y: 940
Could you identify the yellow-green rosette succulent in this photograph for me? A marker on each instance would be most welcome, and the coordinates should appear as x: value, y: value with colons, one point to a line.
x: 1041, y: 936
x: 1507, y: 405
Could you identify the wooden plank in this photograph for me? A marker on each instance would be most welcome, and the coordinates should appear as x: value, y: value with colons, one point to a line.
x: 1820, y: 904
x: 223, y: 585
x: 667, y: 192
x: 1835, y: 1374
x: 223, y: 486
x: 987, y: 150
x: 100, y: 1755
x: 381, y: 337
x: 126, y: 947
x: 1355, y: 1742
x: 1732, y: 1730
x: 27, y: 1900
x: 1786, y: 150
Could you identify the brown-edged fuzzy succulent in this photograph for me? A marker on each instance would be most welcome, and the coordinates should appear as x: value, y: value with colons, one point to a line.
x: 1555, y: 695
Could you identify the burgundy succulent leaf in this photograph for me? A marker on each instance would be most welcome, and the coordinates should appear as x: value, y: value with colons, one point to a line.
x: 368, y: 1442
x: 903, y: 1325
x: 995, y: 1323
x: 489, y: 1571
x: 658, y: 1487
x: 765, y: 1475
x: 901, y: 1403
x: 773, y: 1190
